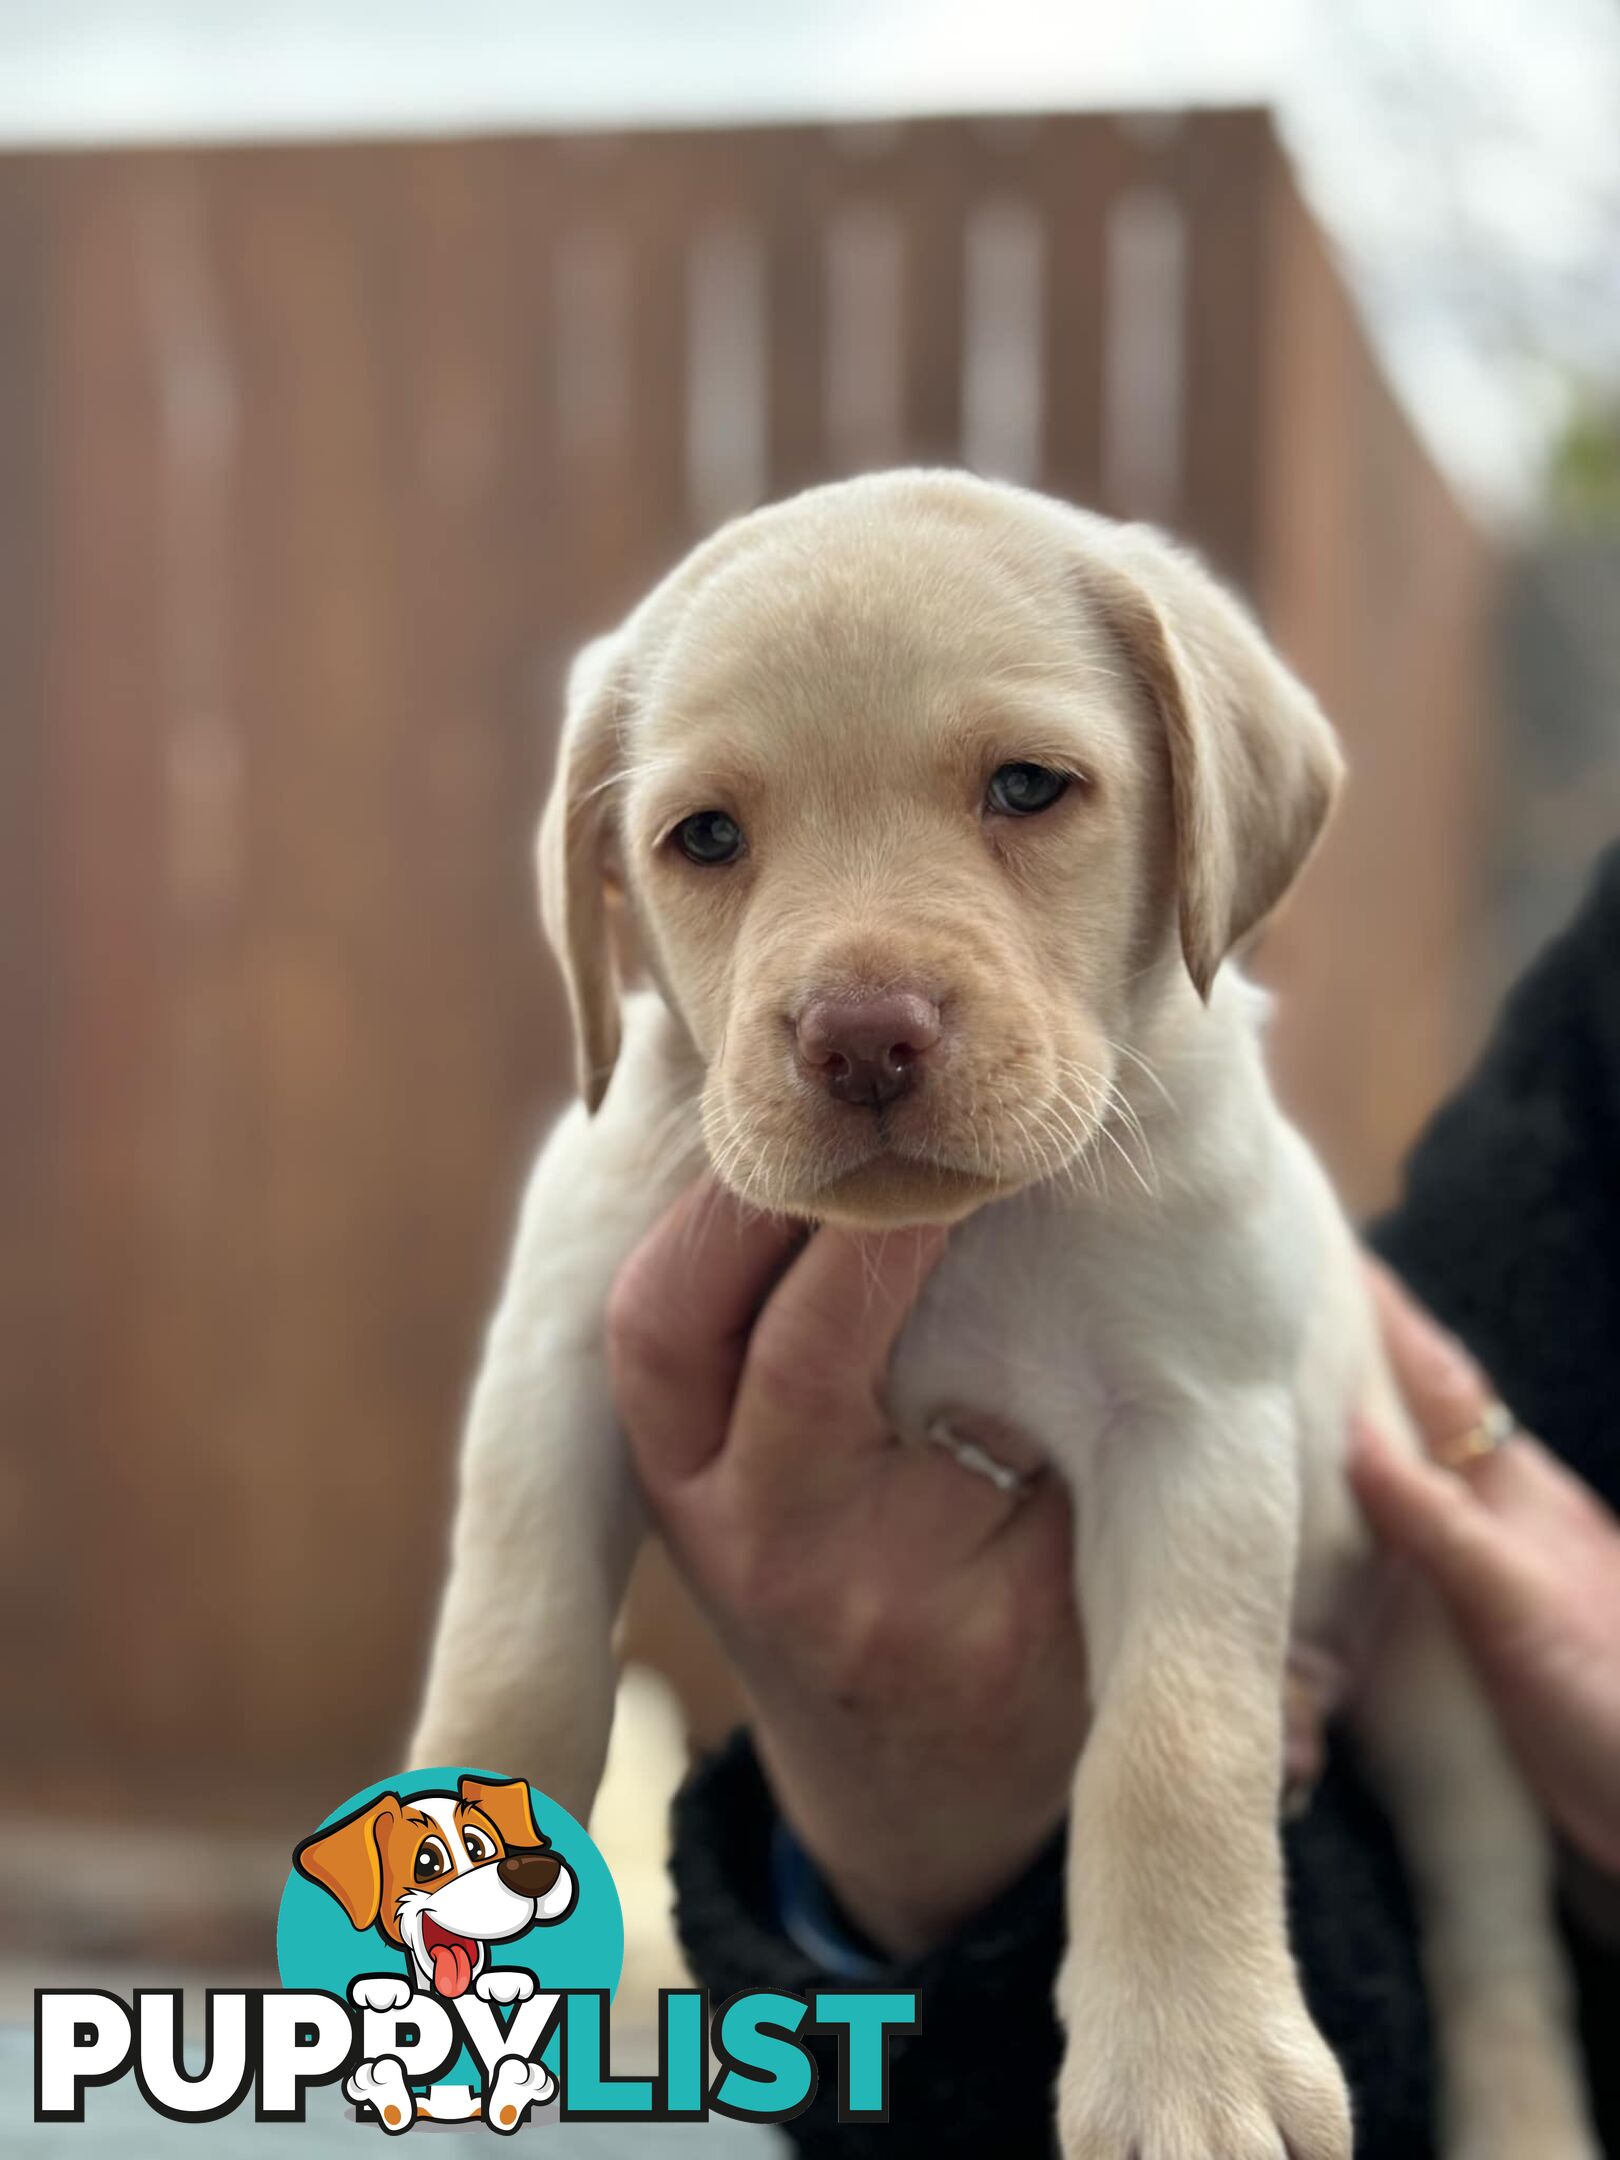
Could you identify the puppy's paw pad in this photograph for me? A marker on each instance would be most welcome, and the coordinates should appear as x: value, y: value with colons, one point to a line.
x: 381, y: 2086
x: 380, y: 1991
x: 517, y: 2086
x: 504, y: 1984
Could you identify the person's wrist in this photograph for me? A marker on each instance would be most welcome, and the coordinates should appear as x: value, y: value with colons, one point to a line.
x: 907, y: 1865
x: 848, y: 1832
x: 878, y: 1901
x: 810, y: 1916
x: 901, y: 1920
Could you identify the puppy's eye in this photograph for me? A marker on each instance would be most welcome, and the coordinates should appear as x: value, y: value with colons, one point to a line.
x: 478, y: 1848
x: 1021, y: 790
x: 709, y: 837
x: 432, y: 1860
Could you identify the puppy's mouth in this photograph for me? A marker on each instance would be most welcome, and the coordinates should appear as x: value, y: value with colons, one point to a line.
x: 452, y: 1957
x: 894, y: 1187
x: 872, y: 1170
x: 968, y: 1130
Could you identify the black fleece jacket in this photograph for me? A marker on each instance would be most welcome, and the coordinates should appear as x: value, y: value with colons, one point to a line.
x: 1509, y: 1230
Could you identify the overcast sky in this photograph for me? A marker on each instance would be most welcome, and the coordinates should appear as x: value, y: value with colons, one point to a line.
x: 1464, y: 153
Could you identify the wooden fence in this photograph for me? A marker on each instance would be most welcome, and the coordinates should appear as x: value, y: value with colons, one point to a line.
x: 315, y: 462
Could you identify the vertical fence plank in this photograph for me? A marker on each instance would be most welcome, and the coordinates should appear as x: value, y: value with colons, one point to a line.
x: 797, y: 198
x: 1081, y: 172
x: 1221, y: 161
x: 105, y: 712
x: 929, y: 187
x: 34, y: 1594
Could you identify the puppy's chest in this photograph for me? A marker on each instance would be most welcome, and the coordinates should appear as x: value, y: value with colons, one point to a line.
x: 1025, y: 1325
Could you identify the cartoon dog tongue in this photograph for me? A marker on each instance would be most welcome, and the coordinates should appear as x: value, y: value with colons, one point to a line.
x: 452, y: 1959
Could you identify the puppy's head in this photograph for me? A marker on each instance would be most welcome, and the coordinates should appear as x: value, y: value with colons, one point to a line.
x: 917, y: 789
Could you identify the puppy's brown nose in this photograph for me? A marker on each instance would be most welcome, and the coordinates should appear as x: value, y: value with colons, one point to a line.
x: 530, y: 1871
x: 868, y: 1049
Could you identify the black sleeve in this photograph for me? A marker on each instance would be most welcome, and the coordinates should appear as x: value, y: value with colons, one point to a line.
x: 975, y: 2076
x: 1510, y: 1230
x: 1509, y: 1224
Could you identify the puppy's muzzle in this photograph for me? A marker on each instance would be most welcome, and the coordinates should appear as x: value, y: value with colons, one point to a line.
x: 530, y: 1870
x: 868, y: 1050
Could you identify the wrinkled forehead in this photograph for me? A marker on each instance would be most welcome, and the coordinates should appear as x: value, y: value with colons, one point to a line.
x: 878, y: 634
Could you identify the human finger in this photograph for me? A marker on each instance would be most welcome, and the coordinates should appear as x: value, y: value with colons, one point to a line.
x: 678, y: 1323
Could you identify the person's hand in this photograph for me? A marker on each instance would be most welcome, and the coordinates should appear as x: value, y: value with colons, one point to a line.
x: 905, y: 1631
x: 1528, y: 1560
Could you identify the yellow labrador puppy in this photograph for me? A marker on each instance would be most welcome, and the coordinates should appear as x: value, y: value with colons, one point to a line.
x: 938, y: 808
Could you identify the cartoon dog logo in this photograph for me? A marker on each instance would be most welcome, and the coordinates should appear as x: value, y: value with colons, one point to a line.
x: 440, y: 1876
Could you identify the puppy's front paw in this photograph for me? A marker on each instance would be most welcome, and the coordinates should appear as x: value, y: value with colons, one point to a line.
x: 381, y: 2085
x: 380, y: 1991
x: 504, y: 1984
x: 517, y: 2086
x: 1205, y: 2078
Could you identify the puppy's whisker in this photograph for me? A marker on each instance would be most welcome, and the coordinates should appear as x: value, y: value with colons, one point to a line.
x: 1071, y: 1120
x: 1108, y: 1099
x: 1084, y: 1124
x: 1105, y: 1131
x: 1060, y: 1139
x: 1128, y: 1116
x: 1060, y: 1144
x: 1149, y: 1071
x: 1034, y: 1138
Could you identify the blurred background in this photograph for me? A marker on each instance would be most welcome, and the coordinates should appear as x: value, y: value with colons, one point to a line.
x: 356, y: 362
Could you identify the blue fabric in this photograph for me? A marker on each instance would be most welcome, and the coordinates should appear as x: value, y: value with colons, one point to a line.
x: 808, y: 1917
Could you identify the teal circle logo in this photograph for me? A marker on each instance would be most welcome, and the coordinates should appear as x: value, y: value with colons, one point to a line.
x: 455, y: 1887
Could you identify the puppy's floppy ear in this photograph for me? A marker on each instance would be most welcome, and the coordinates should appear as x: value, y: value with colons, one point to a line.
x: 347, y: 1859
x: 508, y: 1807
x: 573, y: 859
x: 1254, y: 766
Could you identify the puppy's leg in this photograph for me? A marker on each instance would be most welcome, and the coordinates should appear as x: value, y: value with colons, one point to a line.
x: 1478, y: 1855
x: 1186, y: 2032
x: 549, y: 1520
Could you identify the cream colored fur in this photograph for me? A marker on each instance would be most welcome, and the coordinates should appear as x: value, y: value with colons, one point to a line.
x: 1151, y: 1277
